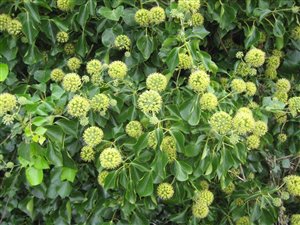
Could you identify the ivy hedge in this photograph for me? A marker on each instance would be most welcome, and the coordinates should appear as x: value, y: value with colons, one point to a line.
x: 149, y: 112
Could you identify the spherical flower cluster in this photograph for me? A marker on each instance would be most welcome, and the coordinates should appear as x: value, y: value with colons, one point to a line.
x: 285, y: 195
x: 295, y: 219
x: 8, y: 119
x: 62, y: 37
x: 255, y: 57
x: 229, y: 189
x: 293, y: 184
x: 273, y: 62
x: 250, y: 88
x: 150, y: 101
x: 85, y: 79
x: 74, y: 63
x: 92, y: 136
x: 165, y: 191
x: 243, y: 69
x: 253, y: 141
x: 152, y: 142
x: 78, y: 106
x: 168, y: 145
x: 277, y: 202
x: 101, y: 177
x: 71, y: 82
x: 239, y: 202
x: 296, y: 33
x: 134, y: 129
x: 260, y: 128
x: 271, y: 73
x: 117, y: 70
x: 238, y: 85
x: 204, y: 185
x: 94, y: 66
x: 156, y: 82
x: 157, y: 15
x: 122, y: 42
x: 8, y: 102
x: 4, y: 21
x: 283, y: 85
x: 280, y: 117
x: 239, y: 55
x: 243, y: 123
x: 143, y: 17
x: 243, y: 221
x: 208, y: 101
x: 189, y: 5
x: 87, y: 154
x: 197, y: 19
x: 84, y: 121
x: 200, y: 210
x: 205, y: 196
x: 294, y: 105
x: 57, y: 75
x: 185, y: 61
x: 221, y: 122
x: 64, y: 5
x: 14, y: 27
x: 199, y: 81
x: 100, y: 103
x: 282, y: 137
x: 281, y: 96
x: 110, y: 158
x: 253, y: 105
x: 69, y: 49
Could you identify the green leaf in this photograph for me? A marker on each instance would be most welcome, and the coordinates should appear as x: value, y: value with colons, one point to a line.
x: 29, y: 27
x: 182, y: 170
x: 227, y: 16
x: 172, y: 59
x: 64, y: 189
x: 68, y: 174
x: 34, y: 176
x: 108, y: 37
x: 278, y: 29
x: 3, y: 71
x: 145, y: 185
x: 252, y: 36
x: 111, y: 14
x: 83, y: 14
x: 179, y: 137
x: 145, y: 45
x: 208, y: 63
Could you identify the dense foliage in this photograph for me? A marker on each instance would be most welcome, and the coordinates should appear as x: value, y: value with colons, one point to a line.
x: 149, y: 112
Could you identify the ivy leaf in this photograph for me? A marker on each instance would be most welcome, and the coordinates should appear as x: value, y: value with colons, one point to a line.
x: 182, y: 170
x: 145, y: 185
x: 3, y: 71
x: 111, y: 14
x: 172, y: 59
x: 145, y: 45
x: 34, y: 176
x: 227, y: 16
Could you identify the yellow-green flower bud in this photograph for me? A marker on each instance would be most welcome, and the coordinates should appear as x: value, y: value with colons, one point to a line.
x: 8, y: 119
x: 156, y: 82
x: 243, y: 123
x: 14, y: 27
x: 282, y: 138
x: 87, y: 154
x: 238, y: 85
x: 281, y: 96
x: 78, y: 106
x: 71, y: 82
x: 10, y: 165
x: 253, y: 105
x: 285, y: 195
x: 8, y: 103
x: 168, y: 145
x: 65, y: 5
x: 239, y: 202
x: 93, y: 136
x: 250, y: 88
x: 101, y: 177
x: 199, y: 81
x: 150, y: 102
x: 271, y: 73
x: 221, y: 122
x: 200, y: 210
x: 84, y: 121
x: 74, y: 64
x: 277, y: 202
x: 239, y: 55
x: 255, y: 57
x: 100, y: 103
x: 294, y: 105
x: 157, y: 15
x: 110, y: 158
x: 134, y: 129
x: 62, y: 37
x: 273, y: 61
x: 69, y: 49
x: 205, y: 196
x: 117, y: 70
x: 197, y: 19
x: 229, y: 189
x: 122, y: 42
x: 204, y: 185
x: 208, y: 101
x: 185, y: 61
x: 152, y: 142
x: 296, y: 33
x: 260, y: 128
x: 94, y: 66
x: 292, y: 184
x: 280, y: 117
x: 189, y: 5
x: 143, y: 17
x: 295, y: 219
x: 57, y: 75
x: 253, y: 142
x: 243, y: 69
x: 243, y: 221
x: 283, y: 85
x: 165, y: 191
x: 4, y: 21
